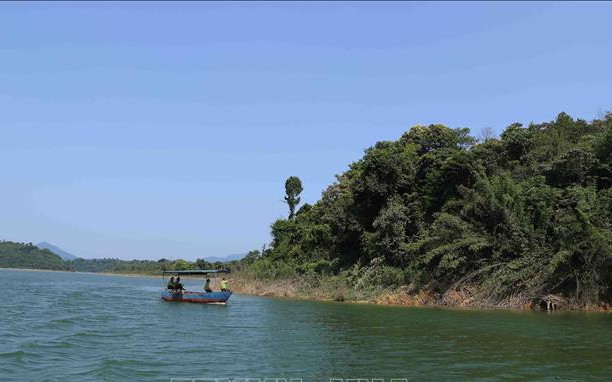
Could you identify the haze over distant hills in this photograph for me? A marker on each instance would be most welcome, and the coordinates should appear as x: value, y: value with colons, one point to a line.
x: 69, y: 256
x: 58, y: 251
x: 214, y: 259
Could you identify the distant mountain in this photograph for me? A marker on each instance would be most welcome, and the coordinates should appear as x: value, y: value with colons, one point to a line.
x: 223, y: 259
x: 58, y: 251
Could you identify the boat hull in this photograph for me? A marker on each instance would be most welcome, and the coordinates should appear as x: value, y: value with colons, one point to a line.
x: 197, y: 297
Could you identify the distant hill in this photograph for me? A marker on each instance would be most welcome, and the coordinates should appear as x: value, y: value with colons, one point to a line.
x: 58, y: 251
x: 20, y: 255
x: 49, y: 257
x: 224, y: 259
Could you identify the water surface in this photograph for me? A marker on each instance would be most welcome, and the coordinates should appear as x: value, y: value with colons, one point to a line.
x: 85, y: 327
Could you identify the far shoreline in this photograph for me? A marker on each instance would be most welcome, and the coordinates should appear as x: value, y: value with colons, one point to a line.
x: 81, y: 272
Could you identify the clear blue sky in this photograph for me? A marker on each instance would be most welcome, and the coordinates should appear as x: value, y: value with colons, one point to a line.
x: 149, y: 130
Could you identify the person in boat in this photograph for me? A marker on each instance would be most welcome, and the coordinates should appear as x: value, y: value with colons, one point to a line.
x: 224, y: 287
x: 207, y: 285
x: 171, y: 284
x: 178, y: 286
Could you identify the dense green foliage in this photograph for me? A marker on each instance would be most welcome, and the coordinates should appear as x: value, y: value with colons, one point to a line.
x: 529, y: 213
x: 20, y: 255
x: 293, y: 189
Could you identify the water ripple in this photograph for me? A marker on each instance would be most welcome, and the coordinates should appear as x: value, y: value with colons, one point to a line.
x: 82, y: 327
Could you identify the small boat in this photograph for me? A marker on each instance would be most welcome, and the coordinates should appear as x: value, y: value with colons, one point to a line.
x: 202, y: 297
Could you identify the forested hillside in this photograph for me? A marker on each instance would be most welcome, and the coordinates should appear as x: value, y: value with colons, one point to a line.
x: 20, y: 255
x: 525, y: 214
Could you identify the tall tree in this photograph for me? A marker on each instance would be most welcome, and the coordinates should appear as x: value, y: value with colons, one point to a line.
x: 293, y: 188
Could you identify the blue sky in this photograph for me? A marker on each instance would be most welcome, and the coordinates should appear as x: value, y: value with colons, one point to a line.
x: 149, y: 130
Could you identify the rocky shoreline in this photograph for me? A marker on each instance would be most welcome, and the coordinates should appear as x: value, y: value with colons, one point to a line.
x: 466, y: 298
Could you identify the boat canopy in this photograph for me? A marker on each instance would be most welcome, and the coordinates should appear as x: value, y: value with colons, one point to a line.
x: 196, y: 272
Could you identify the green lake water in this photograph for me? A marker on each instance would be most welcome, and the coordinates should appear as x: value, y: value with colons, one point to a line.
x: 85, y: 327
